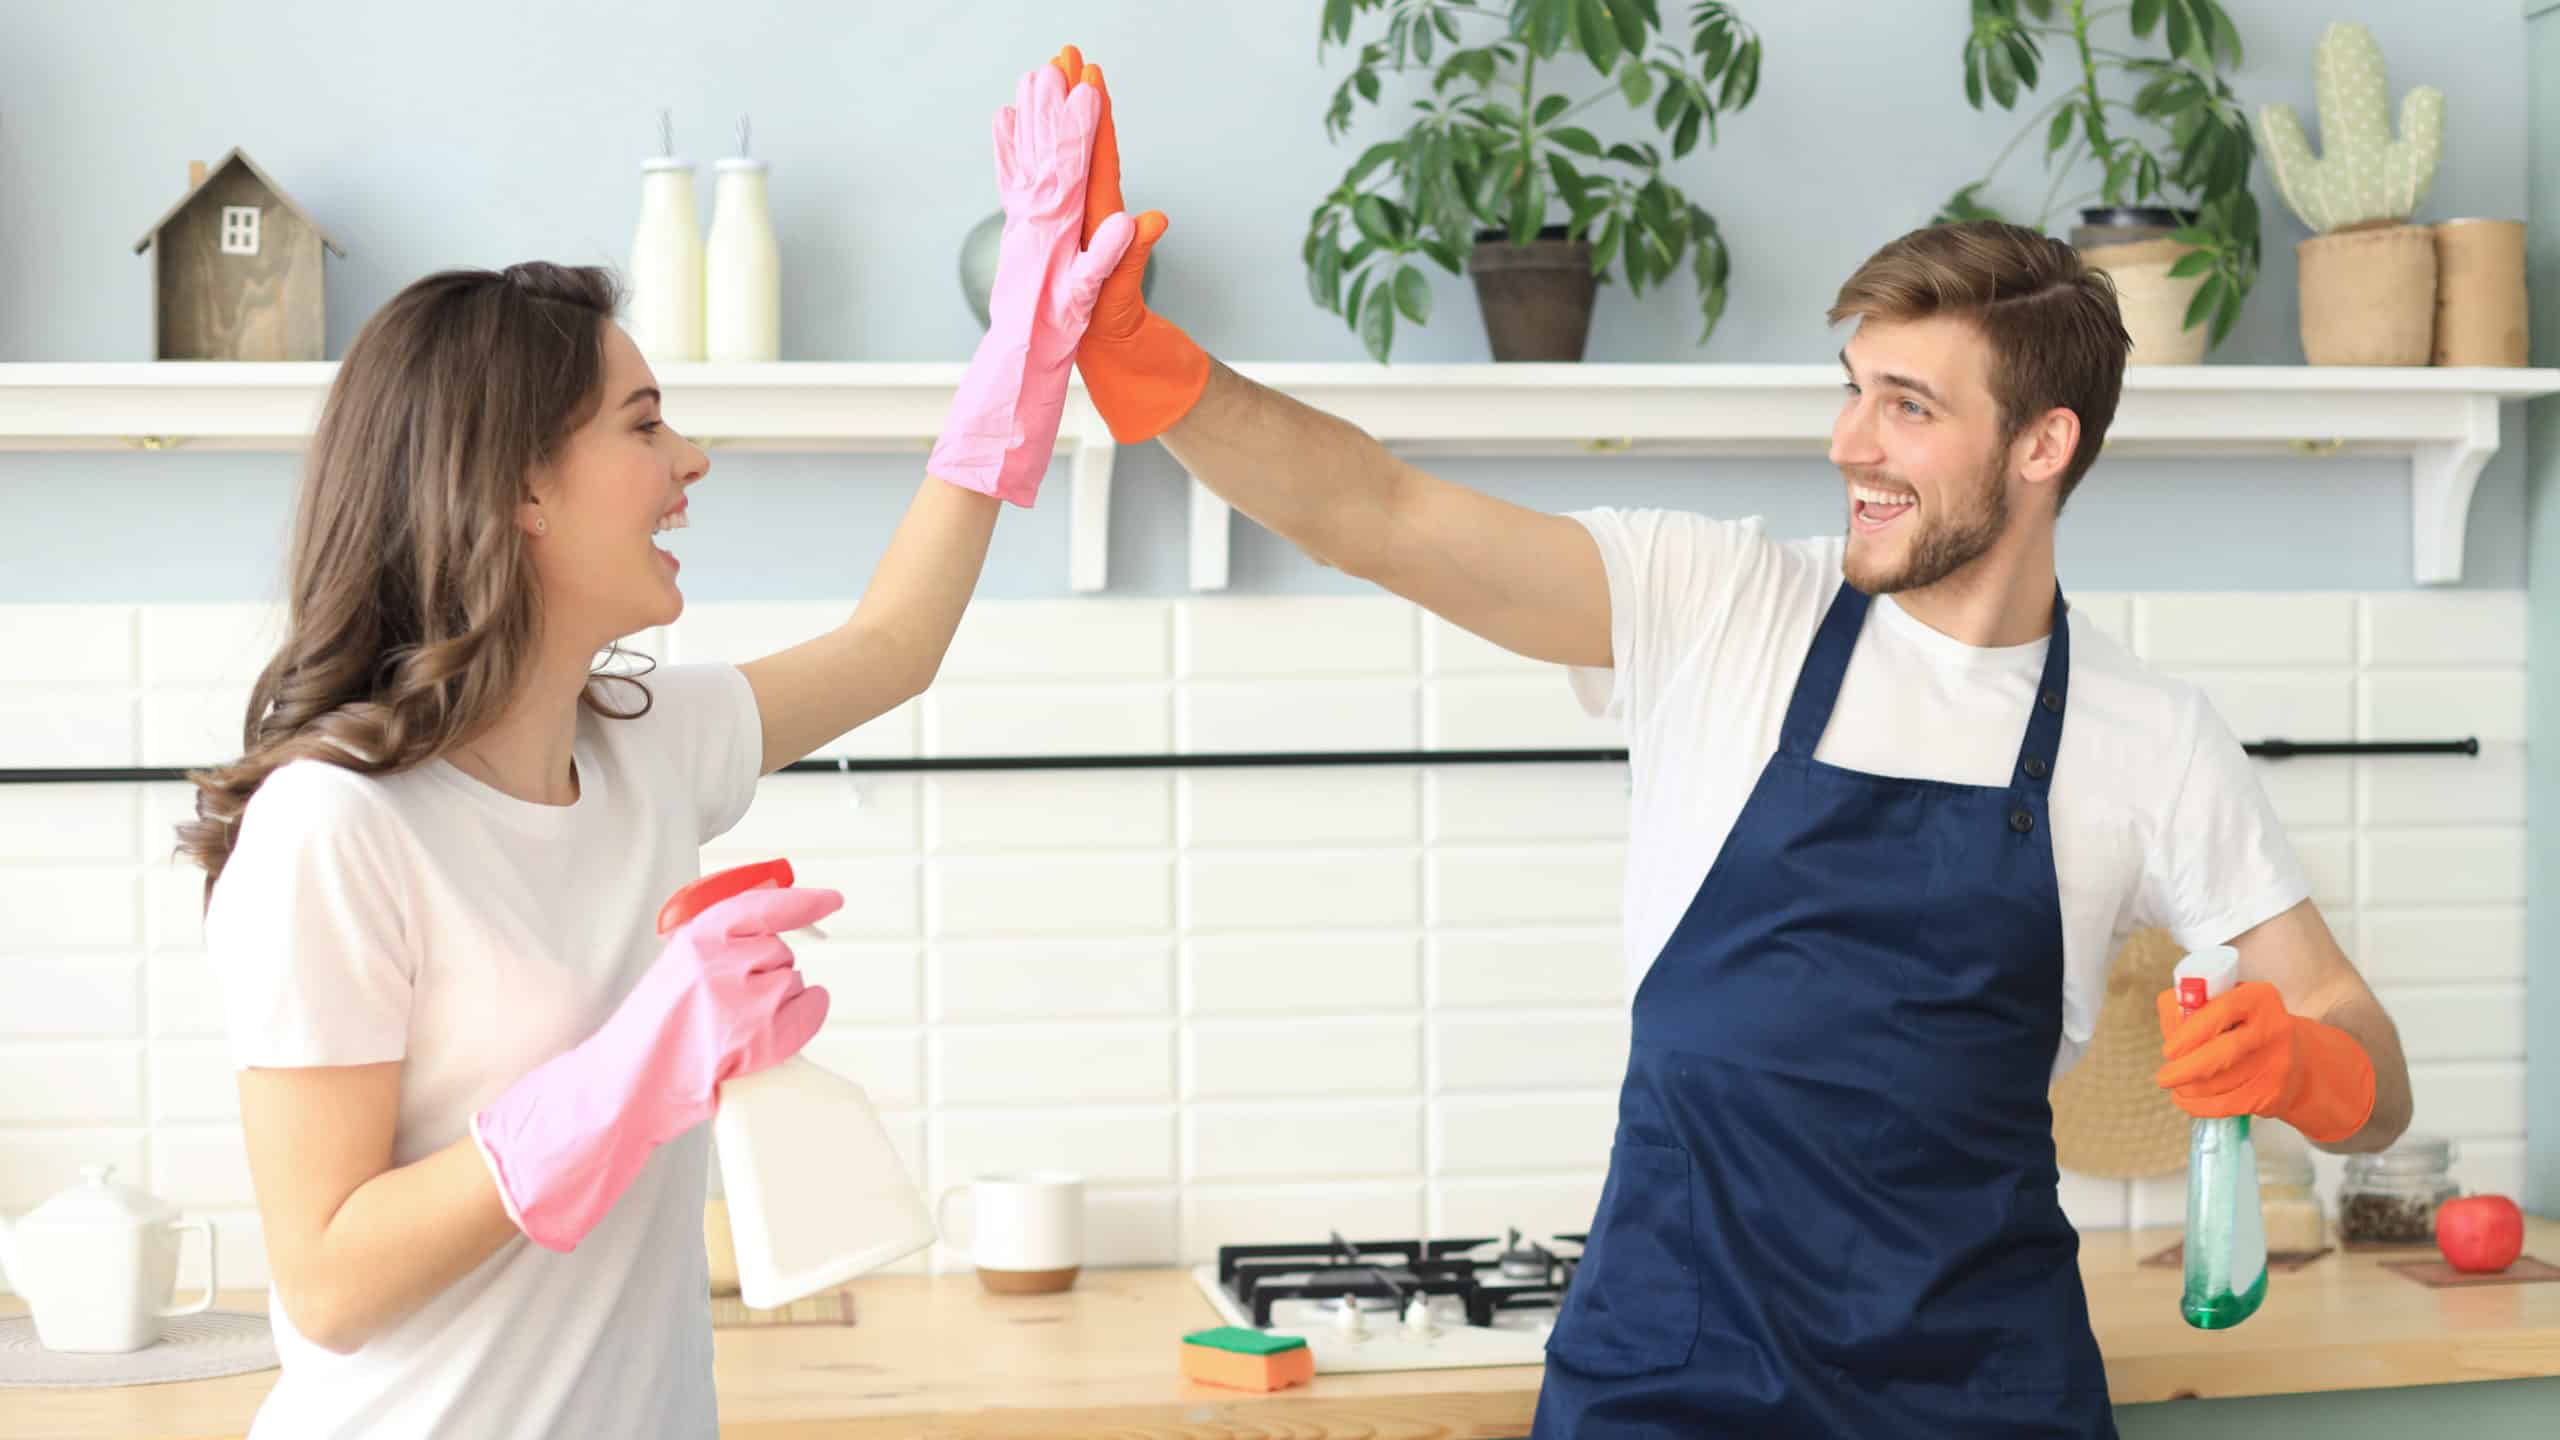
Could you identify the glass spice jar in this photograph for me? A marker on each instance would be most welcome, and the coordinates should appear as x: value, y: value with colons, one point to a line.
x: 2287, y: 1204
x: 2391, y: 1198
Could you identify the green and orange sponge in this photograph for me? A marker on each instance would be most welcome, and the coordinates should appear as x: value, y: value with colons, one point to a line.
x: 1242, y: 1359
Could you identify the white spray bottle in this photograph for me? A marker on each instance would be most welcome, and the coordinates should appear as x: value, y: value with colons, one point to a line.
x: 817, y: 1194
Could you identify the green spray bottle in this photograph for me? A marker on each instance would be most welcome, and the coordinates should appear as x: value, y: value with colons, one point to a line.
x: 2226, y: 1247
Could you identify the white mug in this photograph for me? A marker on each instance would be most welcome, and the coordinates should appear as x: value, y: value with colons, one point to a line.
x: 1027, y: 1237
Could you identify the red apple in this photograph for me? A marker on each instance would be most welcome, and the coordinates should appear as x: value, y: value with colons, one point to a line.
x: 2480, y: 1234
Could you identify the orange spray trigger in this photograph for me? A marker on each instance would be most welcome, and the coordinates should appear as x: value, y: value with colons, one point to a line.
x: 697, y: 896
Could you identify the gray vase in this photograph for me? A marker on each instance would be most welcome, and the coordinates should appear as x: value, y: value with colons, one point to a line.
x: 978, y: 250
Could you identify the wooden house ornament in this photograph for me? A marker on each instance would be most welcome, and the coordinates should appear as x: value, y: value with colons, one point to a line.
x: 237, y: 269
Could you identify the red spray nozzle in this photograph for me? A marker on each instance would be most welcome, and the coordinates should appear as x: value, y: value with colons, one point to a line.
x: 700, y: 895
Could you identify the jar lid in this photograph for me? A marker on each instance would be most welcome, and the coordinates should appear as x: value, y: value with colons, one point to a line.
x: 2414, y: 1154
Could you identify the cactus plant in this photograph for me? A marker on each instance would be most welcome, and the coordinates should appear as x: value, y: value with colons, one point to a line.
x: 2364, y: 177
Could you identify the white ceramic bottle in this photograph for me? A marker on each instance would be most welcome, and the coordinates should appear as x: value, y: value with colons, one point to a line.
x: 665, y: 312
x: 742, y: 278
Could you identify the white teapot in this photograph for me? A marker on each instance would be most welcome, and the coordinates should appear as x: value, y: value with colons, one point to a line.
x: 98, y: 1262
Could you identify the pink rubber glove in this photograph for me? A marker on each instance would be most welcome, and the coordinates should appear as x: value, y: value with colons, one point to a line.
x: 1003, y: 423
x: 723, y: 999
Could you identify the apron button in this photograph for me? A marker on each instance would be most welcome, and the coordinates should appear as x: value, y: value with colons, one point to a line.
x: 2036, y: 769
x: 2021, y: 821
x: 2050, y: 700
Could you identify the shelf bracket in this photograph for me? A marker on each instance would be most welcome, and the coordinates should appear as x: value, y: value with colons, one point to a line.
x: 1211, y: 527
x: 2441, y: 476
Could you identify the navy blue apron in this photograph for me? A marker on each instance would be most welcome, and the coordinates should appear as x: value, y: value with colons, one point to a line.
x: 1830, y: 1208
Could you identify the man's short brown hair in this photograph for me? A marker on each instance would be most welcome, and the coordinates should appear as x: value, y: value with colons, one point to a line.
x: 2056, y: 338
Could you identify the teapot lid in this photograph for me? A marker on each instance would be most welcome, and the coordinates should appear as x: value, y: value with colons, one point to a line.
x: 98, y: 1200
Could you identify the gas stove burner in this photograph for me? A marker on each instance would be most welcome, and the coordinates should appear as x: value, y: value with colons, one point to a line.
x: 1525, y: 1262
x: 1482, y: 1280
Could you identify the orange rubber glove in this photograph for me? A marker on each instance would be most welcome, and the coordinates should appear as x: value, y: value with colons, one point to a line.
x: 1141, y: 370
x: 2245, y: 1054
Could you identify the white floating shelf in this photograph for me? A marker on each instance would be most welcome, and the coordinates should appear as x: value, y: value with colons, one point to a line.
x: 2444, y: 421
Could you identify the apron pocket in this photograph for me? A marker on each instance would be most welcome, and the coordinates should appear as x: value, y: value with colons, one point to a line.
x: 1633, y: 1305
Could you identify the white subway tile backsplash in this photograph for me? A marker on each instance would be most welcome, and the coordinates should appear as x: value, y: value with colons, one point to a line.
x: 209, y: 647
x: 2469, y: 1099
x: 1264, y: 809
x: 1215, y: 1215
x: 201, y: 1167
x: 37, y: 1164
x: 801, y: 813
x: 69, y: 906
x: 2444, y: 627
x: 1544, y: 1052
x: 71, y: 1085
x: 2443, y: 705
x: 67, y: 647
x: 1053, y: 1064
x: 2440, y: 943
x: 2465, y: 866
x: 1053, y: 979
x: 1081, y: 812
x: 1133, y: 718
x: 70, y: 731
x: 887, y: 1063
x: 1231, y: 636
x: 1491, y: 712
x: 2285, y: 705
x: 243, y: 1264
x: 1095, y: 638
x: 1514, y: 1133
x: 1281, y: 974
x: 192, y: 727
x: 880, y: 900
x: 1538, y: 1207
x: 1050, y: 895
x: 1451, y: 650
x: 69, y: 997
x: 1527, y: 804
x: 865, y: 984
x: 2246, y: 629
x: 1351, y: 890
x: 2456, y: 1022
x: 193, y: 1081
x: 1247, y: 1004
x: 2156, y: 1201
x: 1104, y: 1144
x: 1290, y: 717
x: 2109, y: 610
x: 1225, y: 1060
x: 1526, y: 887
x: 68, y: 822
x: 2483, y: 789
x: 2490, y: 1167
x: 1288, y: 1142
x: 1524, y: 969
x: 2329, y: 865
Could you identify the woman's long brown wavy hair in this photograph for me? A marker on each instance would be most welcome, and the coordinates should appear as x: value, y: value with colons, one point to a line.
x: 412, y: 609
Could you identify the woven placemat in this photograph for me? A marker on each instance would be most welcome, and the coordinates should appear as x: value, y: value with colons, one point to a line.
x: 827, y: 1307
x: 192, y: 1347
x: 2524, y: 1271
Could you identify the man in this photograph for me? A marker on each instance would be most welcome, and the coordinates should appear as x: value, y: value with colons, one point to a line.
x: 1894, y: 809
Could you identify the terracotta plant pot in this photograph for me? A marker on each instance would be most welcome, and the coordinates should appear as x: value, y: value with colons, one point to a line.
x: 1536, y: 297
x: 2369, y: 296
x: 2153, y: 304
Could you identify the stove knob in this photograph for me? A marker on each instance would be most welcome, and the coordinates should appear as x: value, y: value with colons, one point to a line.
x: 1418, y: 1321
x: 1348, y: 1319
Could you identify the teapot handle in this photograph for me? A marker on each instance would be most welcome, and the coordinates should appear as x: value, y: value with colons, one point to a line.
x: 202, y: 1302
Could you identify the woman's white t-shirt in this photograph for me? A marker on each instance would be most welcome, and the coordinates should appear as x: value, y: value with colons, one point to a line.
x: 2158, y: 816
x: 429, y: 919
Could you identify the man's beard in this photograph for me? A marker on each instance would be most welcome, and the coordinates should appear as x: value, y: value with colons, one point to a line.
x: 1943, y: 546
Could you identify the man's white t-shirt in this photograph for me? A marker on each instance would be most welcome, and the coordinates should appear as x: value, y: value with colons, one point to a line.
x: 2158, y: 818
x: 430, y: 919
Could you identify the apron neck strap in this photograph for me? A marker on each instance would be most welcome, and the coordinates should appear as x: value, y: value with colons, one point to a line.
x: 1818, y: 687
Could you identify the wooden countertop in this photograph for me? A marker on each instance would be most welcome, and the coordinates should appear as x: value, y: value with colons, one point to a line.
x: 937, y: 1357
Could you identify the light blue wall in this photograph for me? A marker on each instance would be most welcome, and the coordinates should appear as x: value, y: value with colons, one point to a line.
x: 479, y: 132
x: 2542, y: 834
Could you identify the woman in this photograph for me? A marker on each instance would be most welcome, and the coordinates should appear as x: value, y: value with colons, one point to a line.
x: 471, y: 1078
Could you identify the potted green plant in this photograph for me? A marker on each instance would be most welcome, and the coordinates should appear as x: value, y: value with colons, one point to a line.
x: 2174, y: 223
x: 2368, y: 276
x: 1495, y: 179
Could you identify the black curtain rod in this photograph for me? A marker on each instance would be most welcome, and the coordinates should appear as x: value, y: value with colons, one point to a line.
x: 1254, y: 760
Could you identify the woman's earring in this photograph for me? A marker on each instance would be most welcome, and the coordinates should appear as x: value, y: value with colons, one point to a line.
x: 541, y: 526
